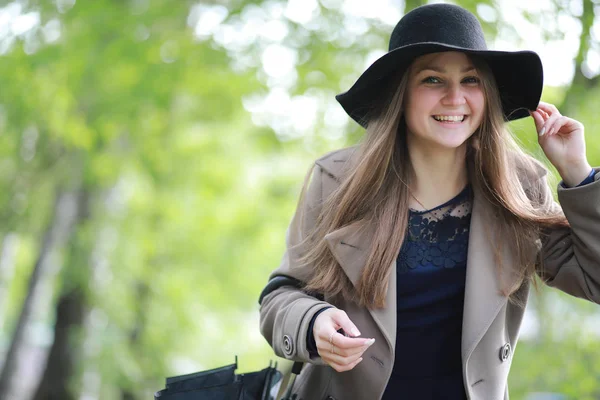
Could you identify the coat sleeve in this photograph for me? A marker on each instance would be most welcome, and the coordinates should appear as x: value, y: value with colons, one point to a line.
x: 571, y: 256
x: 286, y: 313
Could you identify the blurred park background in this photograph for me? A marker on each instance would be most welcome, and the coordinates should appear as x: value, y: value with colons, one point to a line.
x: 152, y: 153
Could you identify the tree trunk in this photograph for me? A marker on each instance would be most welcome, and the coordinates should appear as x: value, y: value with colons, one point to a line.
x: 143, y: 295
x: 7, y: 267
x: 70, y: 308
x: 62, y: 359
x: 66, y: 209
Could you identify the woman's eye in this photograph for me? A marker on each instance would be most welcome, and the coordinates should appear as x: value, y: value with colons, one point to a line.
x: 471, y: 79
x: 431, y: 79
x: 435, y: 80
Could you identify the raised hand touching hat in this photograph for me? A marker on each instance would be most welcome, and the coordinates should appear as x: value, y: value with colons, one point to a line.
x: 562, y: 140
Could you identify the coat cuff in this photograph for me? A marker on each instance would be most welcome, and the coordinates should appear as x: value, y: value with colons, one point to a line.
x: 292, y: 343
x: 581, y: 197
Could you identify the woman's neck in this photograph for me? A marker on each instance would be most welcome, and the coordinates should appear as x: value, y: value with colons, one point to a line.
x: 439, y: 175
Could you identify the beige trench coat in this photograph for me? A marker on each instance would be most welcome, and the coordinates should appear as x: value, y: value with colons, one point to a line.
x: 490, y: 323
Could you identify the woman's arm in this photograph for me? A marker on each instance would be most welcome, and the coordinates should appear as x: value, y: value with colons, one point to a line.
x: 286, y: 313
x: 571, y: 256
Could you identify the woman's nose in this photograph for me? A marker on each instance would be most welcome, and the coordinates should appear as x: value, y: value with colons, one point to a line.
x: 454, y: 96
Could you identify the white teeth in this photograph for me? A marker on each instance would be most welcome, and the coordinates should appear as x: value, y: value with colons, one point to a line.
x: 451, y: 118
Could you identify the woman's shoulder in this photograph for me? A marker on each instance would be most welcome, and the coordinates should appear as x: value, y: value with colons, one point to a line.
x: 528, y: 168
x: 336, y: 162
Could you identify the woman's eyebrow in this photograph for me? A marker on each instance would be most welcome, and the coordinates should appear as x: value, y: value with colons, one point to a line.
x: 441, y: 70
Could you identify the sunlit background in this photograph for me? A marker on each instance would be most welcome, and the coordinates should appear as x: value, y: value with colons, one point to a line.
x: 152, y: 153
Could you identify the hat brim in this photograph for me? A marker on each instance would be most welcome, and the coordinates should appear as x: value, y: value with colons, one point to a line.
x: 519, y: 76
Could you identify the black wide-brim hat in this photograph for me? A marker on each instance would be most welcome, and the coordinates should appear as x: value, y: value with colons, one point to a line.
x: 437, y: 28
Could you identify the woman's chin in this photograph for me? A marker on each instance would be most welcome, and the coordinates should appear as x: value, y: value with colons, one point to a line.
x: 445, y: 139
x: 450, y: 143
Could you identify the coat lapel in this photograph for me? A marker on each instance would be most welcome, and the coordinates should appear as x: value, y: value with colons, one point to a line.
x: 483, y: 295
x: 350, y: 246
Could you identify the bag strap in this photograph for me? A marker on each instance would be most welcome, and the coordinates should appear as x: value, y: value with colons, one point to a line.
x: 284, y: 280
x: 296, y: 369
x: 278, y: 281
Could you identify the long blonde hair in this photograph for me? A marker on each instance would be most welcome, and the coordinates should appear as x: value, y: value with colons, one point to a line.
x: 375, y: 190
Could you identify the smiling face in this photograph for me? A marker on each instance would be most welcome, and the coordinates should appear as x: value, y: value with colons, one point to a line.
x: 444, y: 102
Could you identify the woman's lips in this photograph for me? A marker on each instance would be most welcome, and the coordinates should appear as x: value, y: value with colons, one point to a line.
x: 450, y: 118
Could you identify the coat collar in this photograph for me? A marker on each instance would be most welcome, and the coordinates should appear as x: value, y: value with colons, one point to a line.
x: 483, y: 295
x: 350, y: 246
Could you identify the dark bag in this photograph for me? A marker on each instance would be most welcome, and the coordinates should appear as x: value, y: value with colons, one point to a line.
x: 223, y: 384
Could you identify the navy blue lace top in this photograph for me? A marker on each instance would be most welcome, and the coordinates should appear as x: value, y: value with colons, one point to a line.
x: 431, y: 268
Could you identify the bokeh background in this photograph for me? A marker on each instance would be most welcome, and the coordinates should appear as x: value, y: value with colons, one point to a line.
x: 152, y: 153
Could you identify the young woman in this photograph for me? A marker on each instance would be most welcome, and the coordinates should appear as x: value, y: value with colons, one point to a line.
x: 410, y: 256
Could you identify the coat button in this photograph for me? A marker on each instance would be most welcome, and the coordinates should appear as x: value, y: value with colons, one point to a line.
x: 505, y: 352
x: 329, y: 398
x: 288, y: 346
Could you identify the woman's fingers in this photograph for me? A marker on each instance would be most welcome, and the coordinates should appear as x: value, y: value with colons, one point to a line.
x: 343, y: 353
x: 550, y: 125
x: 341, y: 319
x: 344, y: 368
x: 557, y: 125
x: 339, y: 362
x: 344, y: 347
x: 549, y: 121
x: 326, y: 347
x: 344, y: 342
x: 339, y: 351
x: 538, y: 119
x: 564, y: 126
x: 546, y: 117
x: 326, y: 326
x: 345, y: 356
x: 547, y: 107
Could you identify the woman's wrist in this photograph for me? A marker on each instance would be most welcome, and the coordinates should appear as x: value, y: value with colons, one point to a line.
x: 575, y: 174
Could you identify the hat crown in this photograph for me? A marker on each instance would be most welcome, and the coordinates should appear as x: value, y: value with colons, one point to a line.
x: 439, y: 23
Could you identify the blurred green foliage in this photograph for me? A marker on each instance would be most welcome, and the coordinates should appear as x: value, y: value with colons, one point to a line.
x: 187, y: 193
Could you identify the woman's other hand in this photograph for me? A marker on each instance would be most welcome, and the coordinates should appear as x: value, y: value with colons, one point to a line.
x: 341, y: 352
x: 562, y: 140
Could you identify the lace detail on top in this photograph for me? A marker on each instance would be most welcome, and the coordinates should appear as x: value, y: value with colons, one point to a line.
x: 438, y: 236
